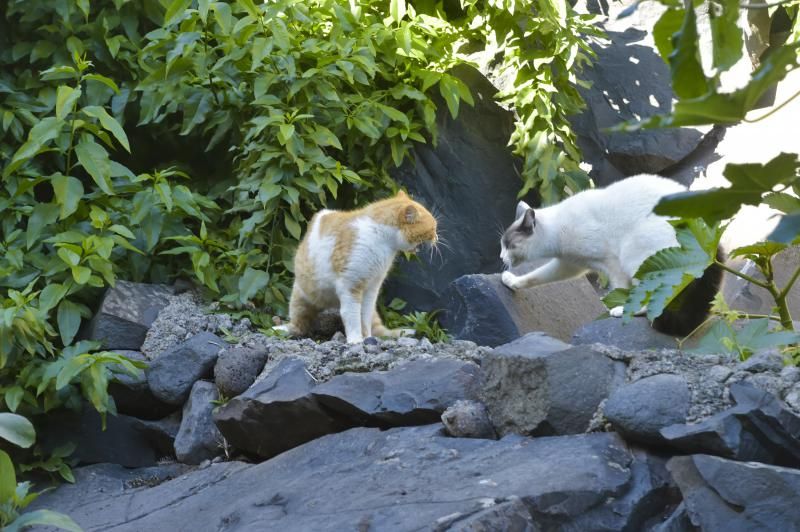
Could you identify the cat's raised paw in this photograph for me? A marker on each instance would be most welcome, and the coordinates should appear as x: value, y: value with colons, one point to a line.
x: 616, y: 312
x: 510, y: 280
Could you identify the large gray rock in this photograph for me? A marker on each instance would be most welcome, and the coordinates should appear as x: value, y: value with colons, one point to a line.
x: 415, y: 393
x: 721, y: 494
x: 641, y: 409
x: 759, y: 428
x: 400, y: 479
x: 470, y: 180
x: 635, y: 335
x: 172, y: 374
x: 481, y: 309
x: 127, y: 311
x: 237, y: 368
x: 198, y: 438
x: 539, y: 385
x: 277, y: 413
x: 132, y: 394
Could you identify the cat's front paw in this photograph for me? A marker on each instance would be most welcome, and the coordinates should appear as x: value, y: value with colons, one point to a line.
x: 616, y: 312
x: 510, y: 280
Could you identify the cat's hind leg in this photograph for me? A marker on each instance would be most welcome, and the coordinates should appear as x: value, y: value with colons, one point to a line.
x: 302, y: 314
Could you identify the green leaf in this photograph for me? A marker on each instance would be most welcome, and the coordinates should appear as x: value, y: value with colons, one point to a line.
x: 252, y: 282
x: 65, y: 100
x: 69, y: 256
x: 68, y: 193
x: 69, y: 319
x: 449, y: 92
x: 81, y: 274
x: 397, y: 9
x: 108, y: 82
x: 616, y: 297
x: 250, y: 7
x: 285, y: 133
x: 17, y: 430
x: 175, y: 11
x: 725, y: 33
x: 71, y: 369
x: 40, y: 134
x: 783, y: 202
x: 668, y: 25
x: 43, y: 215
x: 51, y: 295
x: 13, y: 397
x: 122, y: 230
x: 292, y: 226
x: 763, y: 249
x: 688, y: 79
x: 83, y: 5
x: 109, y: 123
x: 44, y: 518
x: 8, y: 478
x: 94, y: 159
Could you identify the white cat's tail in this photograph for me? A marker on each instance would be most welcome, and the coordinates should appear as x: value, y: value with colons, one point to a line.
x: 692, y: 306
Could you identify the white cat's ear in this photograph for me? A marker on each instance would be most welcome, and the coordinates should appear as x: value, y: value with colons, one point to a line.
x: 521, y: 208
x: 409, y: 214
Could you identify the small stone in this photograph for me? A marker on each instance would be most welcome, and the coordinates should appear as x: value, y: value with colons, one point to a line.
x: 237, y: 368
x: 720, y: 373
x: 793, y: 398
x: 407, y: 341
x: 425, y: 345
x: 468, y: 419
x: 763, y: 361
x: 790, y: 374
x: 339, y: 337
x: 370, y: 340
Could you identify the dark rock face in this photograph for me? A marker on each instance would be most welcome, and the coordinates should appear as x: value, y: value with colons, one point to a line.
x: 198, y: 438
x: 539, y: 385
x: 758, y: 429
x: 132, y: 394
x: 481, y: 309
x: 641, y: 409
x: 468, y: 419
x: 635, y: 335
x: 237, y: 368
x: 470, y: 181
x: 721, y: 494
x: 400, y: 479
x: 172, y: 374
x: 127, y: 311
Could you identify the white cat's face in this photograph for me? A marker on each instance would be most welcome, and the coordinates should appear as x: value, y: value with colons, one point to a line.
x: 517, y: 237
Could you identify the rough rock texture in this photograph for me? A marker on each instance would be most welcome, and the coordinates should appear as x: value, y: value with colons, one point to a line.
x: 721, y: 494
x: 758, y: 428
x: 481, y: 309
x: 127, y: 311
x: 132, y: 394
x: 470, y: 180
x: 539, y: 385
x: 468, y: 419
x: 400, y: 479
x: 635, y: 335
x: 237, y: 368
x: 744, y: 296
x: 198, y: 438
x: 172, y: 374
x: 641, y: 409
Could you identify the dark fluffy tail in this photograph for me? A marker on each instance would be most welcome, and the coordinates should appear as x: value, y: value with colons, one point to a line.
x: 693, y: 304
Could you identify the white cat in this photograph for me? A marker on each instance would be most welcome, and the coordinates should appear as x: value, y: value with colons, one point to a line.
x: 610, y: 230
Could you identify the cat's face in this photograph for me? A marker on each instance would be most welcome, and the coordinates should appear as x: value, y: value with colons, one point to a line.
x: 518, y: 236
x: 417, y: 225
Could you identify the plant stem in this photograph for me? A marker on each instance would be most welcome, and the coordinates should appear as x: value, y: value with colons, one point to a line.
x: 791, y: 282
x: 742, y: 275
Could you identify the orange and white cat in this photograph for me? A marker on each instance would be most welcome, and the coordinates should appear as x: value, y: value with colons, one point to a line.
x: 344, y: 258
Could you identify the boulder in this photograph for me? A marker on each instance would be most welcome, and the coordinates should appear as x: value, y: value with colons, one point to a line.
x: 482, y: 309
x: 415, y: 393
x: 276, y: 413
x: 722, y: 494
x: 470, y: 180
x: 237, y: 368
x: 172, y: 374
x: 759, y: 428
x: 198, y: 438
x: 678, y: 521
x: 126, y: 313
x: 468, y: 419
x: 539, y: 385
x: 160, y: 433
x: 635, y: 335
x: 399, y: 479
x: 746, y: 297
x: 641, y: 409
x: 132, y: 394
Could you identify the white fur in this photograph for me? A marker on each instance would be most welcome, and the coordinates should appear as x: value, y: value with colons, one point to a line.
x: 610, y: 230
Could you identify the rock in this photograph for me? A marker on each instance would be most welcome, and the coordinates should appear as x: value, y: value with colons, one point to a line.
x: 126, y: 441
x: 468, y: 419
x: 678, y: 521
x: 367, y: 479
x: 790, y: 374
x: 277, y: 413
x: 745, y: 297
x: 126, y: 313
x: 770, y: 360
x: 237, y: 368
x: 198, y: 438
x: 758, y: 428
x: 172, y: 374
x: 641, y: 409
x: 721, y: 494
x: 415, y: 393
x: 470, y: 178
x: 538, y: 385
x: 160, y: 433
x: 635, y: 335
x: 480, y: 308
x: 793, y: 397
x: 132, y: 394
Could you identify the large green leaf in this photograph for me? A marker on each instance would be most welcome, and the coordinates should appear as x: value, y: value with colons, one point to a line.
x: 665, y: 274
x: 94, y: 159
x: 66, y: 97
x: 8, y: 479
x: 688, y: 79
x: 69, y: 320
x: 251, y: 282
x: 40, y: 134
x: 668, y: 25
x: 109, y: 123
x: 68, y: 192
x: 47, y: 518
x: 43, y: 215
x: 17, y: 429
x: 725, y: 33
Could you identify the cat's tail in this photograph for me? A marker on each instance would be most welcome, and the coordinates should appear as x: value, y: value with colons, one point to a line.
x: 691, y: 308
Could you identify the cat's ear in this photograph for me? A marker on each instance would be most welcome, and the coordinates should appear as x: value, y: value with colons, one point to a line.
x: 409, y: 214
x: 401, y: 194
x: 528, y: 221
x: 521, y: 208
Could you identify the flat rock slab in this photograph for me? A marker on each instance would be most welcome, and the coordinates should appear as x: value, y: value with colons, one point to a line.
x: 635, y: 335
x: 367, y: 479
x: 126, y: 313
x: 482, y: 309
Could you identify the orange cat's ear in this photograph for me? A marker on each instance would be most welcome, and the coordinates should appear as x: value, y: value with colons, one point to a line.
x: 401, y: 194
x: 409, y: 214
